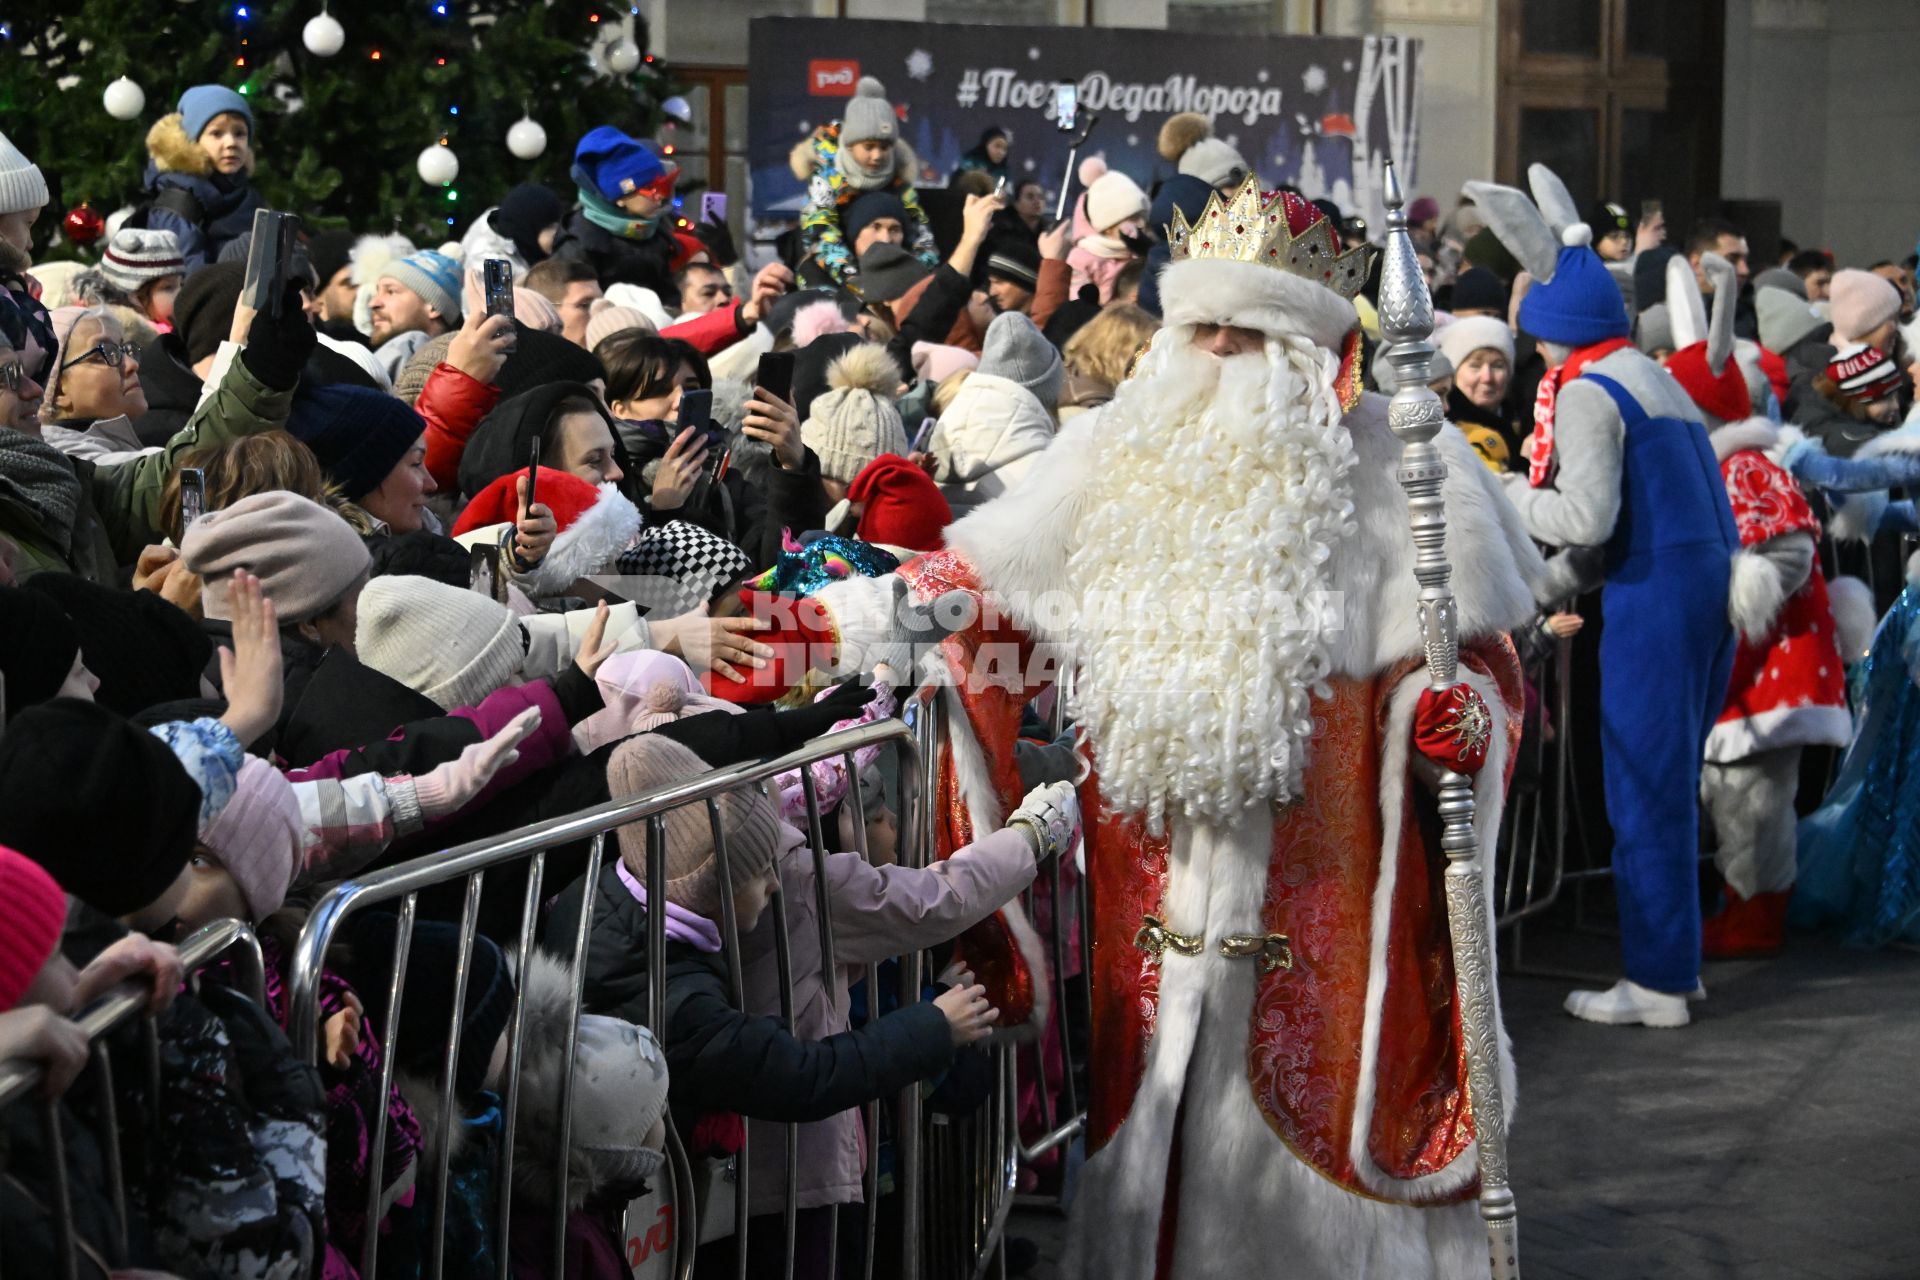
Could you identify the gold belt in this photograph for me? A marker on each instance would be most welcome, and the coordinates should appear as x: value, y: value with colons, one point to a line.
x: 1274, y: 951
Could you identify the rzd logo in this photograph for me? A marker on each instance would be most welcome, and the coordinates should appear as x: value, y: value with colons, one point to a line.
x: 832, y: 77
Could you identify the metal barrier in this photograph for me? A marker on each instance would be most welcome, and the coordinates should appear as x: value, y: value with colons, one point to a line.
x: 108, y: 1013
x: 916, y: 739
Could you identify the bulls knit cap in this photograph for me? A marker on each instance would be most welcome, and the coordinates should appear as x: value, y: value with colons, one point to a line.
x: 306, y: 556
x: 99, y: 802
x: 434, y: 276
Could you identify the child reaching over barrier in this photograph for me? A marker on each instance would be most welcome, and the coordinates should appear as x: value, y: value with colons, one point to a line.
x: 814, y: 1071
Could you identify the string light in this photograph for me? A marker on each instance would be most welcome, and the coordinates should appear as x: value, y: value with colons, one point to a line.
x: 452, y: 196
x: 239, y: 62
x: 440, y: 62
x: 376, y: 55
x: 593, y: 17
x: 453, y: 111
x: 241, y: 12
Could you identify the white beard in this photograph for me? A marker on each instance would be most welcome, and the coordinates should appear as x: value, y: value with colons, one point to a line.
x: 1203, y: 568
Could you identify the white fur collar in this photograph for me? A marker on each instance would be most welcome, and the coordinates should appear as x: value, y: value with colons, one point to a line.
x: 1750, y: 433
x: 1020, y: 543
x: 1904, y: 438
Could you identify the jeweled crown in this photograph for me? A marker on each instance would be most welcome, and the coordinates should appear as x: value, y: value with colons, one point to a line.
x: 1254, y: 227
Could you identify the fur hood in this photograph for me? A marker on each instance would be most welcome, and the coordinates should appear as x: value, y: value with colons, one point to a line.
x: 1749, y: 433
x: 174, y: 152
x: 817, y: 150
x: 546, y: 992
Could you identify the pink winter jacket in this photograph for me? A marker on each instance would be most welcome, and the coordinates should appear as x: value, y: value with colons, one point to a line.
x: 877, y: 913
x: 1090, y: 268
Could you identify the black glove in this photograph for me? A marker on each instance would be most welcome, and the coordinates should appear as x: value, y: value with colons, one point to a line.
x: 791, y: 728
x: 719, y: 241
x: 277, y: 350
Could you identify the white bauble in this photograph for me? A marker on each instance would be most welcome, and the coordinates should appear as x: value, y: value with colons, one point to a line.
x: 124, y: 100
x: 323, y: 35
x: 438, y: 165
x: 623, y: 57
x: 526, y: 139
x: 678, y: 108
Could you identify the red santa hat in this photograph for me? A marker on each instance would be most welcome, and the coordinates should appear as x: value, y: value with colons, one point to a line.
x: 904, y: 510
x: 1723, y: 394
x: 596, y: 523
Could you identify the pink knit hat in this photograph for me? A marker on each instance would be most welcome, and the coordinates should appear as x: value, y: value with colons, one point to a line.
x: 529, y: 308
x: 259, y: 836
x: 36, y: 913
x: 936, y: 361
x: 1858, y: 302
x: 643, y: 689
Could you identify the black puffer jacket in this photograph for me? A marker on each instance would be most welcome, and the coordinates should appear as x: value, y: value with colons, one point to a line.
x: 721, y: 1059
x: 615, y: 259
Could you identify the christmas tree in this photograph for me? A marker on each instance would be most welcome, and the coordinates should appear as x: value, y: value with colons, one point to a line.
x: 337, y: 138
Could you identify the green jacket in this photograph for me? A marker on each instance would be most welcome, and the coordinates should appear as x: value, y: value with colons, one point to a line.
x: 119, y: 509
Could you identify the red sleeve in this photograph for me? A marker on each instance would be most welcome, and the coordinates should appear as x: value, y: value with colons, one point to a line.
x: 1055, y: 279
x: 711, y: 333
x: 453, y: 403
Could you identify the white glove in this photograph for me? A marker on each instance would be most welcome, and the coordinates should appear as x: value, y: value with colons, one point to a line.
x: 1051, y: 817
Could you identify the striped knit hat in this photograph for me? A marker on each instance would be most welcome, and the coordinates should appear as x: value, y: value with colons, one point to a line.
x: 1864, y: 372
x: 134, y: 257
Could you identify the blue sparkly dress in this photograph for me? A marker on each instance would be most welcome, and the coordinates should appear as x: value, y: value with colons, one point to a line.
x: 1860, y: 851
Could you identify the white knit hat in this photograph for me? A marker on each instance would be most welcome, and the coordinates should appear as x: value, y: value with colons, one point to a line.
x: 452, y: 646
x: 855, y: 421
x: 1468, y: 334
x: 22, y: 186
x: 1113, y: 198
x: 1213, y: 161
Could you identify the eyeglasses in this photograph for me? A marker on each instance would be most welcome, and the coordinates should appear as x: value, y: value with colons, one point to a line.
x: 13, y: 376
x: 112, y: 354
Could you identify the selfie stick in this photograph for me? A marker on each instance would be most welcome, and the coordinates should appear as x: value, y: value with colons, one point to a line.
x: 1073, y: 154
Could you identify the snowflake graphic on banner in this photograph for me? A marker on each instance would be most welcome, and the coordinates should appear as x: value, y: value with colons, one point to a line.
x: 919, y: 65
x: 1314, y: 78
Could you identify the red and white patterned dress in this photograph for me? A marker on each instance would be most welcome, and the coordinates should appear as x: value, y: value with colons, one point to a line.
x: 1788, y: 690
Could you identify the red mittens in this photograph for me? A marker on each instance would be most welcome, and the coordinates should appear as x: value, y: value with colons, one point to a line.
x: 802, y: 638
x: 1453, y: 728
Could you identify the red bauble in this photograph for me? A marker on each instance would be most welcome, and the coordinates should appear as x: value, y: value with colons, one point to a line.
x: 83, y: 225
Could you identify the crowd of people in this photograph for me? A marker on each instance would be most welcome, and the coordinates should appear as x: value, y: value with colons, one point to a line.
x: 294, y: 590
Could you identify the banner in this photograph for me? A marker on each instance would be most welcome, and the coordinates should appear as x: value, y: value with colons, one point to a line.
x: 1322, y: 113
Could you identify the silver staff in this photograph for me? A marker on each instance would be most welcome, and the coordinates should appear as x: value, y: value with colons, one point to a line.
x: 1415, y: 415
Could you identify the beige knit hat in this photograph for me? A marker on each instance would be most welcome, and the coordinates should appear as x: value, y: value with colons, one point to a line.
x: 306, y: 557
x: 649, y: 762
x: 1858, y: 302
x: 452, y: 646
x: 413, y: 375
x: 609, y: 319
x: 855, y: 422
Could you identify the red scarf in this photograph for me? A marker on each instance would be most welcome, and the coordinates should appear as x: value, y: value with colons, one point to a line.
x: 1540, y: 464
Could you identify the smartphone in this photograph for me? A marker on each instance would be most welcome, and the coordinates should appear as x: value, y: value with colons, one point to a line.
x: 923, y: 436
x: 498, y: 280
x: 696, y: 409
x: 1000, y: 188
x: 533, y: 470
x: 713, y: 207
x: 1649, y: 210
x: 483, y: 571
x: 1066, y: 106
x: 269, y: 260
x: 193, y: 495
x: 775, y: 374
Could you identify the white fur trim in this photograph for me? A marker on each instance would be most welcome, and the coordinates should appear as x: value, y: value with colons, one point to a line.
x: 1902, y: 439
x: 1782, y: 727
x: 1749, y: 433
x: 1577, y: 234
x: 1756, y: 594
x: 1488, y: 802
x: 590, y: 544
x: 1857, y: 517
x: 1854, y: 617
x: 1250, y: 296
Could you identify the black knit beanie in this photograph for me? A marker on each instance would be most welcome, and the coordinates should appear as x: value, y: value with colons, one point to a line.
x: 145, y: 650
x: 426, y: 997
x: 37, y: 647
x: 102, y: 804
x: 203, y: 312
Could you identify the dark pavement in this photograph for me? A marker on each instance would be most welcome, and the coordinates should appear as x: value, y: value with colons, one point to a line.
x: 1777, y: 1137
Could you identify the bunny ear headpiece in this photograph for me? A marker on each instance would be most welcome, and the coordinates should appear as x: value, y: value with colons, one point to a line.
x: 1689, y: 311
x: 1686, y: 310
x: 1517, y: 222
x: 1557, y: 207
x: 1726, y: 294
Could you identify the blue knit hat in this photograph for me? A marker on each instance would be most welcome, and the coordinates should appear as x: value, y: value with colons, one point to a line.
x: 200, y: 104
x: 616, y: 166
x: 1579, y: 306
x: 358, y: 434
x: 434, y: 276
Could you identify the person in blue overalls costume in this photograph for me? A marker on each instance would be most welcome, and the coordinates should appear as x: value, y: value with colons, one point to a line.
x: 1622, y: 476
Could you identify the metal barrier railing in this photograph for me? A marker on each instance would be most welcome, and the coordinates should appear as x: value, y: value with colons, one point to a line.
x: 915, y: 739
x: 108, y: 1013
